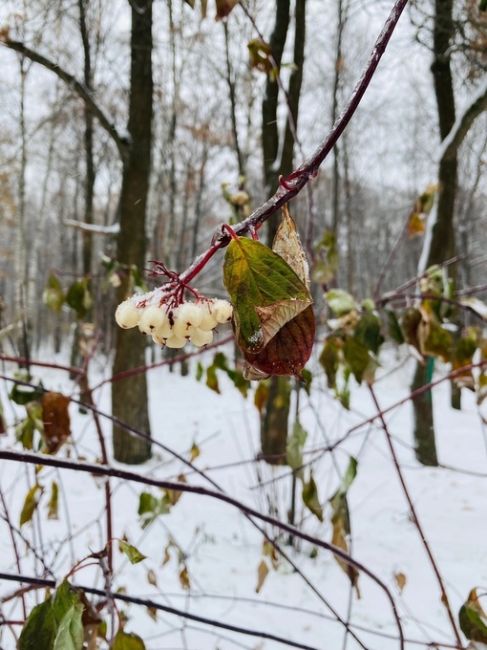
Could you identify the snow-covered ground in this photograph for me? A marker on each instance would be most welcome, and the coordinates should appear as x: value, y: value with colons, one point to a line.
x: 223, y: 550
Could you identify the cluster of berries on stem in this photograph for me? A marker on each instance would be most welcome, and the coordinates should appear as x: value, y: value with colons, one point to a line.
x: 168, y: 318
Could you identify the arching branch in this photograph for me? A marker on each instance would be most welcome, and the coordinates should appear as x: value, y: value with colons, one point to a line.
x: 453, y: 141
x: 70, y: 80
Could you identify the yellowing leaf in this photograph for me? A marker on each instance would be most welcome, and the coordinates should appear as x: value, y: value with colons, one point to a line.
x: 311, y: 498
x: 262, y: 573
x: 261, y: 396
x: 126, y: 641
x: 133, y: 553
x: 268, y: 297
x: 30, y: 503
x: 52, y: 506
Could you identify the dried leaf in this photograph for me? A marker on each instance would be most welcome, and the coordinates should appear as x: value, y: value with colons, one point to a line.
x: 184, y: 578
x: 31, y: 502
x: 52, y: 506
x: 55, y: 417
x: 287, y: 244
x: 400, y: 580
x: 224, y: 7
x: 262, y: 573
x: 260, y: 55
x: 151, y: 577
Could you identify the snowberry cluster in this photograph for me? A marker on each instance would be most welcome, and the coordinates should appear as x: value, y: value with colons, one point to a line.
x: 174, y: 326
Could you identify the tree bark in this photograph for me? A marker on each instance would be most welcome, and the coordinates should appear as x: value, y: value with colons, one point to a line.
x: 129, y: 397
x: 442, y: 244
x: 275, y: 419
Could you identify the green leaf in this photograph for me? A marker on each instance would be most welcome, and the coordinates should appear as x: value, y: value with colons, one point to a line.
x: 394, y: 329
x: 439, y: 341
x: 78, y: 297
x: 70, y: 631
x: 150, y: 508
x: 473, y: 619
x: 265, y: 292
x: 295, y: 444
x: 21, y: 394
x: 357, y: 356
x: 56, y: 623
x: 30, y: 503
x: 39, y: 630
x: 368, y: 331
x: 330, y: 359
x: 125, y: 641
x: 199, y: 371
x: 311, y: 498
x: 212, y: 379
x: 53, y: 295
x: 133, y: 553
x: 340, y: 301
x: 347, y: 479
x: 482, y: 5
x: 52, y: 506
x: 306, y: 380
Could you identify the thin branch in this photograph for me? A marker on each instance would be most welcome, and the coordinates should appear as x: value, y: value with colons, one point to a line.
x: 415, y: 518
x: 107, y: 471
x: 79, y: 88
x: 454, y: 139
x: 164, y: 608
x: 294, y: 183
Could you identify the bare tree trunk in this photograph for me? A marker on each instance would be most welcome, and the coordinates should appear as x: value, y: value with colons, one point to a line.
x: 275, y: 418
x: 90, y: 172
x: 129, y: 397
x: 442, y: 244
x: 233, y: 103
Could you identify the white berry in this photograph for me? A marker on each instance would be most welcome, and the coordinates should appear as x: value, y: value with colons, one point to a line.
x: 152, y: 318
x: 208, y: 321
x: 200, y: 337
x: 176, y: 341
x: 222, y: 310
x: 127, y: 315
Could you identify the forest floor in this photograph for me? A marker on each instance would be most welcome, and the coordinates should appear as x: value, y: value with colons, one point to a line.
x: 222, y: 551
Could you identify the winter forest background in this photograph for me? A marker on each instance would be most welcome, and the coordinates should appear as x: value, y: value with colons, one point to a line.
x: 176, y: 497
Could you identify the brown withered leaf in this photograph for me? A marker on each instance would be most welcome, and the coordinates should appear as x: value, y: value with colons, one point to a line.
x: 184, y: 578
x: 289, y: 350
x: 400, y: 580
x: 262, y: 573
x: 224, y: 7
x: 339, y: 538
x: 287, y: 244
x: 55, y: 417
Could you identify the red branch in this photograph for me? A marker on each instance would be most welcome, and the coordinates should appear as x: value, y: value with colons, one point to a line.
x: 290, y: 186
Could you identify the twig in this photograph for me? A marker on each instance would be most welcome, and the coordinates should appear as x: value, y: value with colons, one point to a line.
x: 294, y: 183
x: 107, y: 471
x: 164, y: 608
x: 417, y: 523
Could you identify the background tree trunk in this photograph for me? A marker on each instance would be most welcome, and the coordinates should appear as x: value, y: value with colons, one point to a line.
x: 442, y: 244
x: 129, y: 397
x: 275, y: 417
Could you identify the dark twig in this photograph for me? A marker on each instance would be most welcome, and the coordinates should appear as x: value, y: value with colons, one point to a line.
x: 99, y: 470
x: 164, y: 608
x: 414, y: 515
